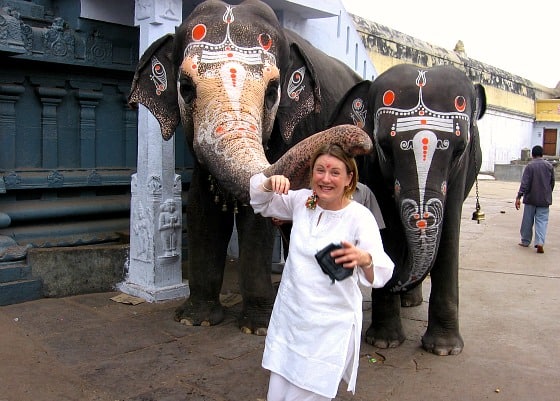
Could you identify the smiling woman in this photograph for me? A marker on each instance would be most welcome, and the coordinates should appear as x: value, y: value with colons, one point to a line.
x: 323, y: 216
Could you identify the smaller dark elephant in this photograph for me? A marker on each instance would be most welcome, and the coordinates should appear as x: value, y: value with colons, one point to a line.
x: 423, y: 123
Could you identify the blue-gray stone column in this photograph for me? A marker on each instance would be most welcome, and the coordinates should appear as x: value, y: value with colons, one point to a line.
x: 50, y: 98
x: 9, y: 95
x: 154, y: 267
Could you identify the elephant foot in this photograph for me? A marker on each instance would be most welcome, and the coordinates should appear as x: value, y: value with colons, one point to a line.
x: 451, y: 344
x: 199, y: 313
x: 255, y: 317
x: 383, y: 337
x: 412, y: 297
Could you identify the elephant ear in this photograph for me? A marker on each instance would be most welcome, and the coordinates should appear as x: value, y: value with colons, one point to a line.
x: 154, y: 85
x: 301, y: 94
x: 480, y: 101
x: 356, y: 107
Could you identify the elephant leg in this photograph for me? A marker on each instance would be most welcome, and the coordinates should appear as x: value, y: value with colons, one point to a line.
x: 412, y: 297
x: 442, y: 335
x: 386, y: 329
x: 208, y: 232
x: 256, y: 240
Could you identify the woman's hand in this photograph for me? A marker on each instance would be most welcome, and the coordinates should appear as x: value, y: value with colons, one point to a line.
x: 277, y: 183
x: 350, y: 257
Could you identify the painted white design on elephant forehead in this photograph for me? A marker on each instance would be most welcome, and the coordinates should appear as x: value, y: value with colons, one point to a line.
x: 423, y: 117
x: 295, y: 85
x: 227, y: 50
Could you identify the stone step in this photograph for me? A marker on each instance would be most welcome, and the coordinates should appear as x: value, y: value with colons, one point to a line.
x: 13, y: 271
x: 19, y: 291
x: 17, y: 284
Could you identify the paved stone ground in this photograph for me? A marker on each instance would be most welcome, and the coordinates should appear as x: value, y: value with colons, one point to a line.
x: 89, y: 347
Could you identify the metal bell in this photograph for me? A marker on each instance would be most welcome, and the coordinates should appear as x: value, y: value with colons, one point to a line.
x: 478, y: 214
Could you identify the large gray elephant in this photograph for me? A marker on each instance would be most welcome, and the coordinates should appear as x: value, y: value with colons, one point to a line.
x: 423, y: 123
x: 248, y: 93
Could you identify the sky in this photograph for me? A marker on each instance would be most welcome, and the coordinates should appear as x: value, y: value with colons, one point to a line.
x: 496, y: 32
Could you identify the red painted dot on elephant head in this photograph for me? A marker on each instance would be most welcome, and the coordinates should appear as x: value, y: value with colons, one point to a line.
x: 388, y: 98
x: 415, y: 216
x: 194, y: 66
x: 220, y: 130
x: 230, y: 55
x: 425, y: 141
x: 421, y: 112
x: 265, y: 41
x: 393, y: 133
x: 426, y: 215
x: 457, y: 133
x: 199, y: 32
x: 421, y: 224
x: 460, y: 103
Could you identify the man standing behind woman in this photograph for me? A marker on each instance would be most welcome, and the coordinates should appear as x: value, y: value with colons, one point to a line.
x: 536, y: 188
x: 314, y: 334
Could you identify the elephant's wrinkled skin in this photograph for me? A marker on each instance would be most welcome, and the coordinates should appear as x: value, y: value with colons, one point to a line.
x: 423, y: 123
x: 246, y: 91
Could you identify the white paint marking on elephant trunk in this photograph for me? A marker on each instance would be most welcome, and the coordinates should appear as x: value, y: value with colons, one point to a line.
x: 233, y: 79
x: 424, y: 147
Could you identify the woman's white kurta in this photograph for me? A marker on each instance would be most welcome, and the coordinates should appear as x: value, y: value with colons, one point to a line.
x: 314, y: 321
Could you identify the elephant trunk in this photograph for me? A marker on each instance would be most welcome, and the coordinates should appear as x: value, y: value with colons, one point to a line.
x: 294, y: 164
x: 422, y: 221
x: 232, y: 152
x: 233, y: 157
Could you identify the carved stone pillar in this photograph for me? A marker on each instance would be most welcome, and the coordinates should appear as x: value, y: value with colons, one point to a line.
x: 9, y: 95
x: 154, y: 271
x: 88, y: 102
x: 50, y: 98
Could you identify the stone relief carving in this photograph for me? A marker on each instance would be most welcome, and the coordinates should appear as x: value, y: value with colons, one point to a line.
x: 55, y: 179
x: 144, y: 9
x: 58, y: 40
x: 169, y: 226
x: 34, y: 38
x: 154, y: 185
x: 172, y: 10
x: 142, y: 233
x: 177, y: 185
x: 10, y: 28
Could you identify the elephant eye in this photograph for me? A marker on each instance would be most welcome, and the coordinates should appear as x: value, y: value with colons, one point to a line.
x: 187, y: 89
x: 271, y: 95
